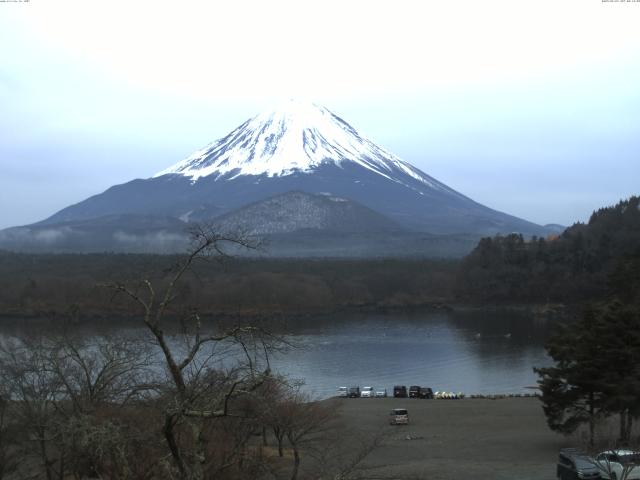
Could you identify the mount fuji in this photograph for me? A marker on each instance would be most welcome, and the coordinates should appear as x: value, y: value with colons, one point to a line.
x: 297, y: 147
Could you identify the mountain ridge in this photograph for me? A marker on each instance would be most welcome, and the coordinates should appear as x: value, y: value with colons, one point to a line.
x: 305, y: 148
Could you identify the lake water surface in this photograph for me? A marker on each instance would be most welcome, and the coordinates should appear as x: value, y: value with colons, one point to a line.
x: 472, y: 352
x: 488, y: 351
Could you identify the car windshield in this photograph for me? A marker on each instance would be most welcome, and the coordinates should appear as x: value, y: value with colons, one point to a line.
x: 367, y: 389
x: 399, y: 412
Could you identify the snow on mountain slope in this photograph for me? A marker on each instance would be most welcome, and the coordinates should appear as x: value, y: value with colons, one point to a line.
x: 297, y: 137
x: 296, y: 210
x: 297, y: 147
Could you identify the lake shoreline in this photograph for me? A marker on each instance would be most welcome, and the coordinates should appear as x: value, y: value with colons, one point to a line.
x: 555, y: 310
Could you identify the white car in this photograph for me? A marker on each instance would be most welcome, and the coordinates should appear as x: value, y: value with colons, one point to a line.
x: 619, y: 465
x: 343, y: 392
x: 381, y: 392
x: 366, y: 392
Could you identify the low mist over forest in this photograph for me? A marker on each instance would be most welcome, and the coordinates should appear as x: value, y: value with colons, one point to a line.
x: 576, y: 266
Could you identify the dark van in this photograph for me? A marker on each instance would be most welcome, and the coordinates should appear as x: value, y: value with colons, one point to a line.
x: 425, y: 392
x: 400, y: 391
x: 414, y: 391
x: 354, y: 392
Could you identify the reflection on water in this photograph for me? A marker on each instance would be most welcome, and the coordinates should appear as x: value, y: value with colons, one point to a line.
x: 472, y: 352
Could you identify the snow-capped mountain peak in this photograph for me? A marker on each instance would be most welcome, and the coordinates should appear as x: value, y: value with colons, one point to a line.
x: 295, y: 137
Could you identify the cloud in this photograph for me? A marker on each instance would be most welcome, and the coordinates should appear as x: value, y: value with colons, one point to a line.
x: 22, y: 238
x: 157, y: 242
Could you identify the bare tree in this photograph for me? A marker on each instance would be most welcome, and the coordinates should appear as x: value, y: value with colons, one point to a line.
x: 302, y: 422
x: 67, y: 395
x: 101, y: 370
x: 198, y: 393
x: 25, y: 373
x: 8, y: 455
x: 271, y: 408
x: 186, y: 404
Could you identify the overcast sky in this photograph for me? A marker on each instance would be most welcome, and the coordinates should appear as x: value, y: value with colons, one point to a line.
x: 532, y: 108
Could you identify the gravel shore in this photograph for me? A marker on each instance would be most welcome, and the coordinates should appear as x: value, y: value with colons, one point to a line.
x: 457, y: 439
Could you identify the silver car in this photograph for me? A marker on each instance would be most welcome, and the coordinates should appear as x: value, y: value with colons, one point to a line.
x: 366, y: 392
x: 381, y: 392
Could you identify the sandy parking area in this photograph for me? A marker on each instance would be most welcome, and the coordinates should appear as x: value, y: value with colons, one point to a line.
x: 458, y: 439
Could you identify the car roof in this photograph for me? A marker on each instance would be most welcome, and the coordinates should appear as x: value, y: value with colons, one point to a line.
x: 579, y: 457
x: 622, y: 452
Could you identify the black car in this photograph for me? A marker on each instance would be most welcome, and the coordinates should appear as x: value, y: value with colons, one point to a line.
x: 425, y: 392
x: 354, y: 392
x: 414, y: 390
x: 400, y: 391
x: 574, y: 464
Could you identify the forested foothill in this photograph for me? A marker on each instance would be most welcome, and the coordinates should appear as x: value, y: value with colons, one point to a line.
x: 596, y: 370
x: 573, y: 268
x: 596, y: 267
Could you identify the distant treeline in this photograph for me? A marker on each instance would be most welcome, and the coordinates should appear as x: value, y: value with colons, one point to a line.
x: 61, y: 284
x: 580, y: 265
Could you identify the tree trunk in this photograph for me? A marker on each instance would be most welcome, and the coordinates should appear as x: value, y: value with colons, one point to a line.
x: 592, y: 420
x: 264, y: 436
x: 623, y: 426
x: 167, y: 430
x: 279, y: 434
x: 296, y: 462
x: 43, y: 453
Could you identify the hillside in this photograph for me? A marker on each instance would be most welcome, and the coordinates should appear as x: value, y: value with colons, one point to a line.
x: 580, y: 264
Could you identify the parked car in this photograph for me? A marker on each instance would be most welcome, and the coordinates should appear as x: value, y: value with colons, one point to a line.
x: 354, y: 392
x: 574, y: 464
x: 399, y: 416
x: 381, y: 392
x: 615, y: 464
x: 414, y: 390
x: 400, y: 391
x: 366, y: 392
x: 343, y: 391
x: 425, y: 392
